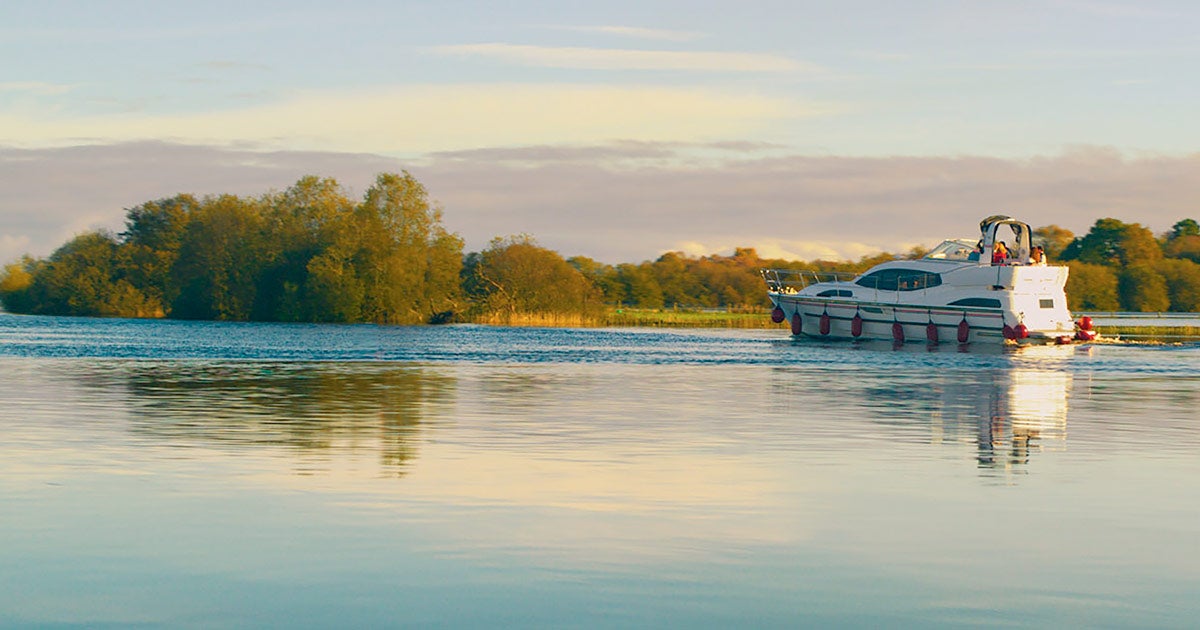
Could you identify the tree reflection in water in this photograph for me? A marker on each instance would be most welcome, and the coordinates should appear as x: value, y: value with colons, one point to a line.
x: 320, y: 409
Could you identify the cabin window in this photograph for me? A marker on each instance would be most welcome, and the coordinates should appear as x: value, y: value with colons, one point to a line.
x: 900, y: 280
x: 979, y: 302
x: 1048, y: 303
x: 836, y: 293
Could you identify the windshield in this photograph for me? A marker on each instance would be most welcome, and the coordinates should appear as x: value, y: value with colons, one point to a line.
x: 956, y: 249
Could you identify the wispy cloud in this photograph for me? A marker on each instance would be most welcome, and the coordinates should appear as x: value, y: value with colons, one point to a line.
x: 420, y: 119
x: 636, y: 32
x: 1122, y: 10
x: 625, y: 59
x: 224, y: 64
x: 36, y: 88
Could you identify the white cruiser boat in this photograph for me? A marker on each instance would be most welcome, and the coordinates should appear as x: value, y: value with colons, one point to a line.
x: 963, y: 291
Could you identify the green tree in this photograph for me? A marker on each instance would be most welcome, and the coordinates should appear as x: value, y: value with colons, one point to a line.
x: 1185, y: 227
x: 1183, y: 283
x: 82, y: 278
x: 1142, y: 289
x: 1183, y: 241
x: 1112, y: 242
x: 150, y: 245
x: 300, y: 224
x: 220, y: 259
x: 1091, y: 287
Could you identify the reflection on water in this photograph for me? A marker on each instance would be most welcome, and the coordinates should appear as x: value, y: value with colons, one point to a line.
x: 1006, y: 413
x: 316, y: 410
x: 1016, y: 413
x: 715, y: 478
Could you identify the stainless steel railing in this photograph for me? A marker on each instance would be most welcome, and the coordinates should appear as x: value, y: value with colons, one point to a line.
x: 792, y: 280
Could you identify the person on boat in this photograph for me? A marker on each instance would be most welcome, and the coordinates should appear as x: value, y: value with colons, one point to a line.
x: 1037, y: 256
x: 978, y: 253
x: 1000, y: 253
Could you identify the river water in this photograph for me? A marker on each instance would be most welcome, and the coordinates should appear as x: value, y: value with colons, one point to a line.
x: 188, y: 474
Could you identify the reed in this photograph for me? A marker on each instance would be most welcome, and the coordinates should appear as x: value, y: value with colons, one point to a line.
x: 1151, y: 333
x: 687, y: 319
x: 548, y: 320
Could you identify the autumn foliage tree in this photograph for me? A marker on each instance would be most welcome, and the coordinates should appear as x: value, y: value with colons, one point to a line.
x: 515, y: 275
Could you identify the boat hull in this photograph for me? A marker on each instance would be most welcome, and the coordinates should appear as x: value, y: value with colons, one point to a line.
x: 907, y: 323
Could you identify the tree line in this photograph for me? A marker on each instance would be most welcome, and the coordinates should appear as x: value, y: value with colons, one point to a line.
x: 311, y: 253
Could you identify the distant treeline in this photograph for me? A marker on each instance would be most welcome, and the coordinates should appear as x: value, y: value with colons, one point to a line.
x: 310, y: 253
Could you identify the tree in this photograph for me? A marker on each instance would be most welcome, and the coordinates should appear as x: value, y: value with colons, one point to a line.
x: 82, y: 278
x: 1091, y: 287
x: 1186, y: 246
x: 150, y: 246
x: 1185, y: 227
x: 1142, y: 289
x: 14, y: 285
x: 641, y: 288
x: 220, y: 259
x: 300, y: 223
x: 401, y: 238
x: 1112, y: 242
x: 1053, y: 239
x: 1183, y: 283
x: 1183, y: 241
x: 516, y: 275
x: 604, y: 276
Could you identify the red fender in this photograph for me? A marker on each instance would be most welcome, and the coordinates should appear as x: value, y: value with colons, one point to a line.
x: 856, y: 325
x: 1085, y: 323
x: 897, y: 332
x: 825, y: 323
x: 1009, y: 332
x: 797, y: 323
x: 777, y: 315
x: 1022, y: 331
x: 964, y: 331
x: 931, y: 332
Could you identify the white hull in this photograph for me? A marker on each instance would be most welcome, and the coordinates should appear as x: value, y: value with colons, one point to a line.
x: 949, y: 296
x: 878, y: 322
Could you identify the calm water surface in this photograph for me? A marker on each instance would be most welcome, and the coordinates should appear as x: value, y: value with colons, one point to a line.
x: 186, y: 474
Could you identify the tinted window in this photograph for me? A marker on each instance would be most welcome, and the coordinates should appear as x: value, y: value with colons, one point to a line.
x: 1046, y: 303
x: 981, y: 302
x: 899, y: 280
x: 835, y: 293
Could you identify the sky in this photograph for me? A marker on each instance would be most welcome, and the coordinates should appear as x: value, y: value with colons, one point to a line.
x: 616, y: 130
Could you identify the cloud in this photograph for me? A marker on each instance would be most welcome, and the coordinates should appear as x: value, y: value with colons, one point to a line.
x: 12, y: 246
x: 637, y: 32
x: 615, y: 59
x: 628, y: 202
x: 35, y: 88
x: 419, y: 119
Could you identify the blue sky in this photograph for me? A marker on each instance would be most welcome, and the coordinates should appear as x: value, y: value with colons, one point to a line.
x: 636, y: 97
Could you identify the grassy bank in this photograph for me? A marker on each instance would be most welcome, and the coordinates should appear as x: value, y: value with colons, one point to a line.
x: 672, y: 318
x: 1152, y: 333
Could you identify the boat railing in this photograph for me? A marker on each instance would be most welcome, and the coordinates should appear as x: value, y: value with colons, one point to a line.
x: 792, y: 280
